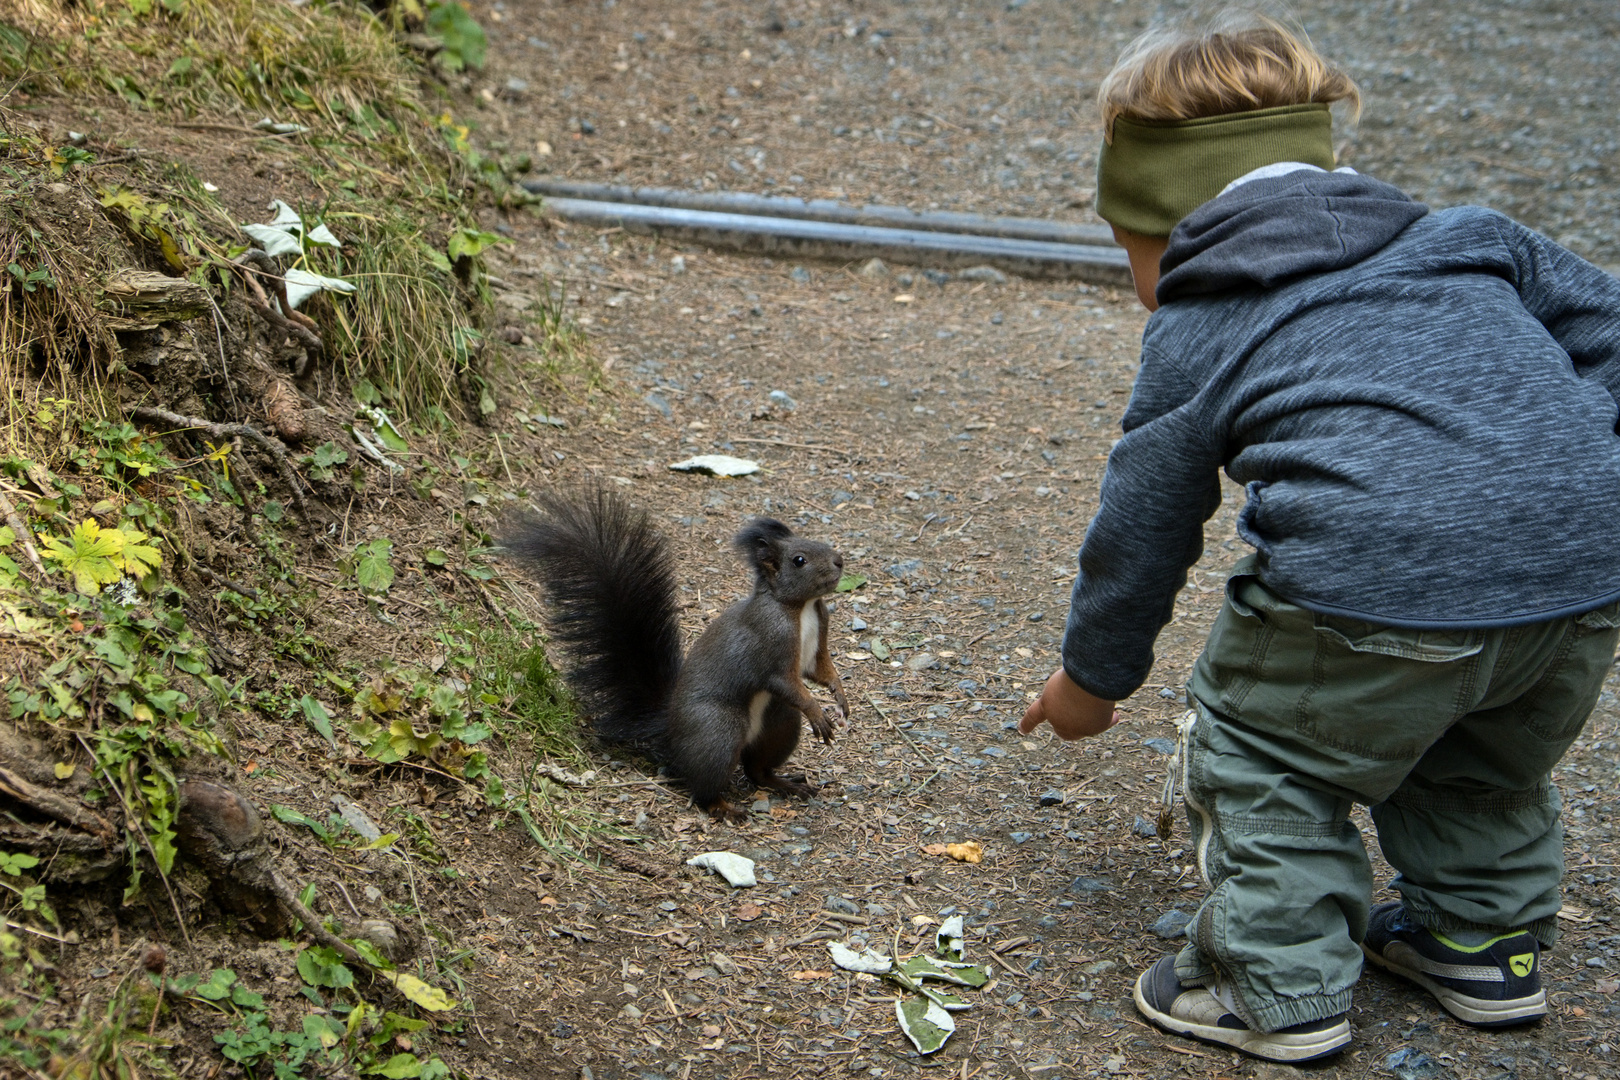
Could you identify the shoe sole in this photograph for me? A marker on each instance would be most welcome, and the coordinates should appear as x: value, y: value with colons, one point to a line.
x: 1478, y: 1012
x: 1274, y: 1046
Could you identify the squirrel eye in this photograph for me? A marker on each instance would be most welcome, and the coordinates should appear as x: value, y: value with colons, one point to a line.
x: 798, y: 560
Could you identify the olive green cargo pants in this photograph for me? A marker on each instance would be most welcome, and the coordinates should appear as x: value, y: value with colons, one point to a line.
x: 1450, y: 737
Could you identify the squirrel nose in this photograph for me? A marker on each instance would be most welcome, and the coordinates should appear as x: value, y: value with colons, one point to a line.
x: 838, y: 560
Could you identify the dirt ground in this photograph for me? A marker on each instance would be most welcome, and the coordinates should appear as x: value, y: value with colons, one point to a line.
x: 952, y: 447
x: 949, y: 438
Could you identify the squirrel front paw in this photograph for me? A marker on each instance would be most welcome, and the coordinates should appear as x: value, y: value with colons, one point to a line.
x: 822, y: 725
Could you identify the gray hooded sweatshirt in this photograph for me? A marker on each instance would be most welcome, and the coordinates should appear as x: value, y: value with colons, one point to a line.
x: 1421, y: 407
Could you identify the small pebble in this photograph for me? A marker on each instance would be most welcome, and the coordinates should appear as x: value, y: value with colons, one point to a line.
x: 1051, y: 797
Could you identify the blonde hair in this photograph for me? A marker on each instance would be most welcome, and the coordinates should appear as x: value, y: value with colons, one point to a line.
x: 1244, y: 60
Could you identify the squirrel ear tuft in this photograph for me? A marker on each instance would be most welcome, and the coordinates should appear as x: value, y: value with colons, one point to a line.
x: 759, y: 541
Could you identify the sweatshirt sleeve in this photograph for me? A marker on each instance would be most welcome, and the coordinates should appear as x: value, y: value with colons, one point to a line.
x: 1577, y: 303
x: 1161, y: 485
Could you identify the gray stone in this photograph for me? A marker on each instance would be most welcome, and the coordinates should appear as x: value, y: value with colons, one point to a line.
x: 921, y: 662
x: 657, y: 401
x: 1052, y: 797
x: 1163, y: 746
x: 1410, y: 1064
x: 842, y: 906
x: 1143, y: 827
x: 1171, y: 923
x: 1089, y: 885
x: 983, y: 273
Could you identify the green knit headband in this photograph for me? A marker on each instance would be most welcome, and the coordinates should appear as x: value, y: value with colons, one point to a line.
x: 1154, y: 174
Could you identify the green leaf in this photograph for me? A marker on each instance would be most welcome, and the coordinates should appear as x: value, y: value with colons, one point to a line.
x: 851, y: 582
x: 398, y: 1066
x: 435, y: 557
x: 91, y: 554
x: 320, y: 965
x: 467, y: 243
x: 288, y: 816
x: 273, y: 511
x: 463, y: 39
x: 315, y: 713
x: 15, y: 864
x: 879, y: 649
x: 328, y: 454
x: 925, y: 1023
x: 218, y: 986
x: 371, y: 567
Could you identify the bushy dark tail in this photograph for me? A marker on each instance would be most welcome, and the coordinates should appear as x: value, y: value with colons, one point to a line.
x: 611, y: 582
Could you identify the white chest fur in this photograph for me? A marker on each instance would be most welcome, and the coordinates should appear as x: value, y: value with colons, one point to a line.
x: 809, y: 639
x: 756, y: 714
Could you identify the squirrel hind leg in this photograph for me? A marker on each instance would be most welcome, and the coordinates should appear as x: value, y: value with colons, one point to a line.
x: 777, y: 739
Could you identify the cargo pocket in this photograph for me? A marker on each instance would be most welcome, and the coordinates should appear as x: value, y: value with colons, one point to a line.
x: 1556, y: 709
x: 1385, y: 693
x: 1428, y: 646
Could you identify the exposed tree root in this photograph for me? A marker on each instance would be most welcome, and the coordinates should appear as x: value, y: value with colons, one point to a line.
x: 274, y: 446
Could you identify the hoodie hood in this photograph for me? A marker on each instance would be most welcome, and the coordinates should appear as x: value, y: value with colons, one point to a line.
x: 1267, y: 232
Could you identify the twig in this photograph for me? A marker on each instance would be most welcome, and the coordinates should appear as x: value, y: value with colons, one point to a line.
x: 797, y: 446
x: 209, y: 575
x: 55, y: 805
x: 22, y: 532
x: 300, y: 327
x: 224, y: 364
x: 317, y: 930
x: 273, y: 445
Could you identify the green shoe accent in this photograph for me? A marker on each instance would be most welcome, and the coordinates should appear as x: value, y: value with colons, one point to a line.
x: 1450, y: 944
x: 1522, y: 964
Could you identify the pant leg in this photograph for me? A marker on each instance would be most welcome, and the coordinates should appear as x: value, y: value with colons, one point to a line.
x: 1289, y: 880
x: 1474, y: 829
x: 1300, y: 717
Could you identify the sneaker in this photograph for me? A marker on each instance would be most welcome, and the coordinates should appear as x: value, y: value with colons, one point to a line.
x: 1197, y: 1012
x: 1491, y: 984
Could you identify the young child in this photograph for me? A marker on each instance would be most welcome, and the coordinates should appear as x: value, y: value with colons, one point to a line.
x: 1422, y: 408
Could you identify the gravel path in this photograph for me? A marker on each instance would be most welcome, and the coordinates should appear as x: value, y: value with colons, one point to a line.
x: 950, y: 443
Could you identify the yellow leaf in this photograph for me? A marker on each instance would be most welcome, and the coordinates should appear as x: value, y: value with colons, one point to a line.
x: 429, y: 997
x: 64, y: 770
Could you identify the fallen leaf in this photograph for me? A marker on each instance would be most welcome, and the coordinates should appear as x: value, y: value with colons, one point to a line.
x: 749, y: 912
x: 857, y: 656
x: 429, y: 997
x: 64, y: 770
x: 969, y: 851
x: 933, y: 849
x: 807, y: 976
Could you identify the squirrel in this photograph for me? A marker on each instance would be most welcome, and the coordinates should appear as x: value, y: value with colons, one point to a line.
x: 737, y: 695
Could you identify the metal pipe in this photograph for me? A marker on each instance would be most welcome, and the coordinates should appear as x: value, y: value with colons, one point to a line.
x: 778, y: 236
x: 893, y: 217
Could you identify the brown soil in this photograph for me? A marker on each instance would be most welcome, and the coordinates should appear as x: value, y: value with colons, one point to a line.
x: 951, y: 446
